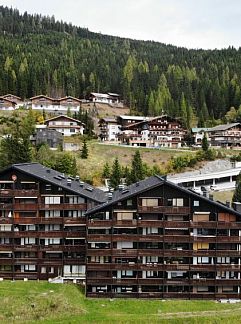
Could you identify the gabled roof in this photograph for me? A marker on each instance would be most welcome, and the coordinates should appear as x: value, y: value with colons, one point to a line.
x: 148, y: 120
x: 11, y: 95
x: 150, y: 183
x: 69, y: 97
x: 8, y: 100
x: 43, y: 173
x: 224, y: 127
x: 137, y: 118
x: 200, y: 129
x: 113, y: 94
x: 41, y: 96
x: 101, y: 95
x: 64, y: 116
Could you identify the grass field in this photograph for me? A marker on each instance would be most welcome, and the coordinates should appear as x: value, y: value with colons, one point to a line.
x: 41, y: 302
x: 99, y: 154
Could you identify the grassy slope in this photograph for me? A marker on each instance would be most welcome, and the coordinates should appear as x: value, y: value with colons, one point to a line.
x: 41, y: 302
x: 99, y: 154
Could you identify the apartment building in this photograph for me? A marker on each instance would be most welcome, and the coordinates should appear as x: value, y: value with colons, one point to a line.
x: 155, y: 239
x: 42, y: 223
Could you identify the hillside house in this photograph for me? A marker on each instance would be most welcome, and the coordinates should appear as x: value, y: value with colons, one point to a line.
x: 66, y: 125
x: 162, y: 131
x: 44, y: 135
x: 7, y: 104
x: 105, y: 98
x: 19, y: 102
x: 109, y: 129
x: 57, y: 105
x: 228, y: 135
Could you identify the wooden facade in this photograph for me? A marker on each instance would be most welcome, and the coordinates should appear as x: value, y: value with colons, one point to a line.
x: 42, y: 223
x: 157, y: 240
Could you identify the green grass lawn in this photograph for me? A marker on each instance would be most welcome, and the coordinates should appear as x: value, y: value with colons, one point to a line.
x: 41, y: 302
x: 99, y: 154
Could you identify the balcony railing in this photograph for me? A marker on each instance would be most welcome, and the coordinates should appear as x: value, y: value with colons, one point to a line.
x: 164, y: 209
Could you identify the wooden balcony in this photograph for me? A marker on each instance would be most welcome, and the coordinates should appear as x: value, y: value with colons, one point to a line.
x: 50, y: 262
x: 6, y: 247
x: 177, y: 238
x: 25, y: 260
x: 29, y: 275
x: 164, y: 210
x: 75, y: 221
x: 19, y: 193
x: 125, y: 223
x: 25, y: 207
x: 26, y: 248
x: 51, y: 234
x: 26, y: 220
x: 125, y: 252
x: 74, y: 248
x: 99, y: 252
x: 214, y: 267
x: 74, y: 234
x: 99, y: 238
x: 72, y: 261
x: 99, y: 223
x: 63, y: 206
x: 6, y: 261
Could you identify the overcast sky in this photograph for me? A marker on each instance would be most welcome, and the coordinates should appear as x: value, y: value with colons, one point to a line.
x: 188, y: 23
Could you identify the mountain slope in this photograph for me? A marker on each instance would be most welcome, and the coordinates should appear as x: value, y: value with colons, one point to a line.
x: 41, y: 55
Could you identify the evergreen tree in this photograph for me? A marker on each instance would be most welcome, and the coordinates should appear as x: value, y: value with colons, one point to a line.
x: 84, y: 152
x: 237, y: 192
x: 137, y: 171
x: 115, y: 176
x: 106, y: 171
x: 205, y: 145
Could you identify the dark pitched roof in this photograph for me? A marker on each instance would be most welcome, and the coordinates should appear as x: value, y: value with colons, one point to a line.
x: 129, y: 191
x: 223, y: 127
x: 57, y: 178
x: 151, y: 183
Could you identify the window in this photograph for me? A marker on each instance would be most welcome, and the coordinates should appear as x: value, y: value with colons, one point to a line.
x: 72, y: 130
x: 149, y: 202
x: 52, y: 213
x: 201, y: 260
x: 124, y: 216
x: 129, y: 202
x: 75, y: 213
x: 43, y: 269
x: 30, y: 267
x: 196, y: 203
x: 52, y: 200
x: 76, y: 200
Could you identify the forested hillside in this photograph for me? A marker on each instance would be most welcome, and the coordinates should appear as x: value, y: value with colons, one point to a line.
x: 41, y: 55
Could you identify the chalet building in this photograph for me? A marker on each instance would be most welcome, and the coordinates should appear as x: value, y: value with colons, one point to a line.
x: 162, y: 131
x: 228, y: 135
x: 7, y: 104
x: 42, y: 223
x: 109, y: 129
x: 60, y: 105
x: 44, y: 135
x: 16, y: 99
x: 112, y: 99
x: 66, y: 125
x: 198, y: 134
x: 155, y: 239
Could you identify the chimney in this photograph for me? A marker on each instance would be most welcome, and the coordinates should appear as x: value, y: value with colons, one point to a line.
x: 69, y: 182
x: 211, y: 197
x: 237, y: 206
x: 228, y: 203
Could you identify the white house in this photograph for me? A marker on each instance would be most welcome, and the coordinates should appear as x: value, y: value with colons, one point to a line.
x: 61, y: 105
x: 109, y: 129
x: 66, y: 125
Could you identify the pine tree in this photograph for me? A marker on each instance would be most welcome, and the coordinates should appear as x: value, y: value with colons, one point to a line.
x: 237, y: 192
x: 137, y: 171
x: 205, y: 145
x: 84, y: 152
x: 106, y: 171
x: 115, y: 177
